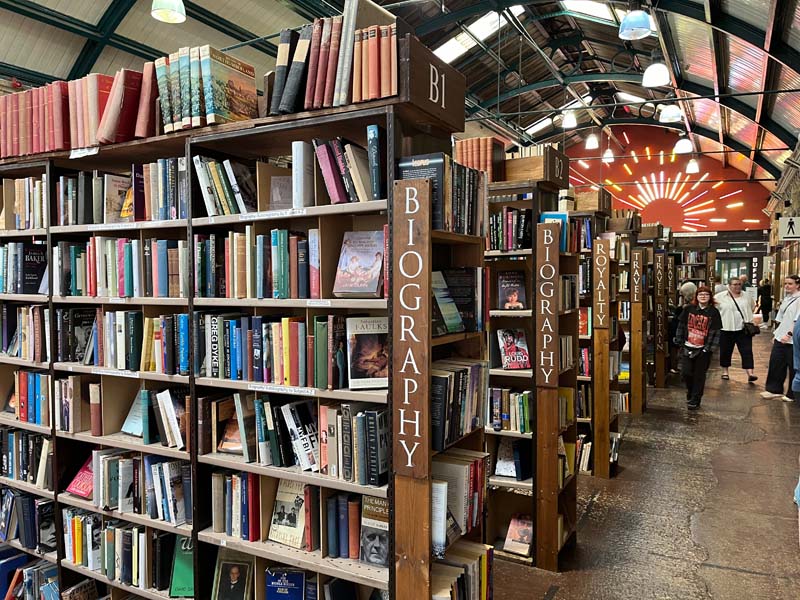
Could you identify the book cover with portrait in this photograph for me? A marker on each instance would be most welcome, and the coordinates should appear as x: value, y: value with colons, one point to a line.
x: 359, y: 273
x: 511, y: 290
x: 513, y: 349
x: 368, y: 352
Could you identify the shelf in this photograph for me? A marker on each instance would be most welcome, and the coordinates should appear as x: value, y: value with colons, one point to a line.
x: 149, y: 593
x: 293, y: 213
x: 17, y: 233
x: 10, y: 420
x: 135, y: 226
x: 237, y: 463
x: 51, y: 557
x: 511, y: 483
x: 567, y: 368
x: 24, y: 486
x: 351, y: 570
x: 125, y: 441
x: 145, y: 375
x: 583, y: 378
x: 346, y: 395
x: 452, y: 338
x: 507, y: 433
x: 518, y: 373
x: 511, y: 313
x: 138, y: 518
x: 23, y: 362
x: 456, y: 239
x: 354, y: 303
x: 138, y: 301
x: 508, y: 253
x: 36, y: 298
x: 568, y: 311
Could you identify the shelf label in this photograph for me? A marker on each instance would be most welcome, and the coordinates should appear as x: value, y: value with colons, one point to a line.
x: 109, y: 226
x: 410, y: 335
x: 660, y: 302
x: 660, y: 276
x: 312, y: 303
x: 637, y: 263
x: 115, y: 373
x: 83, y: 152
x: 546, y: 357
x: 281, y: 389
x: 601, y: 253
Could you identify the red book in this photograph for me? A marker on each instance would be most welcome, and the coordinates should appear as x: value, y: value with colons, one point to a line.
x: 72, y: 114
x: 354, y: 526
x: 145, y: 114
x: 228, y: 286
x: 293, y: 292
x: 119, y: 118
x: 99, y: 89
x: 322, y: 62
x: 49, y: 131
x: 3, y: 125
x: 393, y: 58
x: 254, y: 505
x: 313, y: 64
x: 308, y: 534
x: 89, y: 262
x: 79, y: 113
x: 34, y: 149
x: 374, y: 56
x: 83, y: 483
x: 386, y: 62
x: 330, y: 172
x: 333, y: 61
x: 14, y: 124
x: 22, y: 395
x: 121, y: 267
x: 154, y: 257
x: 294, y: 366
x: 322, y: 419
x: 25, y: 122
x: 357, y: 58
x: 42, y: 119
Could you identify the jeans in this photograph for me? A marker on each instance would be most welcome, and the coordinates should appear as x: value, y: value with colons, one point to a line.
x: 729, y: 339
x: 781, y: 359
x: 693, y: 371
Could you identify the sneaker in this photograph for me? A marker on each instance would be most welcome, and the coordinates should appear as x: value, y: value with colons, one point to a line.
x: 787, y: 399
x: 693, y: 406
x: 770, y: 395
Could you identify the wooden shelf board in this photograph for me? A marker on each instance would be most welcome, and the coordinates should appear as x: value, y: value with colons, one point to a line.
x: 35, y: 298
x: 139, y: 519
x: 26, y: 487
x: 15, y: 233
x: 23, y: 362
x: 508, y: 253
x: 583, y: 378
x: 507, y: 433
x: 354, y: 303
x: 135, y: 226
x: 567, y: 368
x: 510, y: 556
x: 456, y: 239
x: 568, y: 311
x: 50, y: 557
x: 126, y: 442
x: 136, y: 591
x: 511, y: 313
x: 145, y: 375
x: 346, y: 395
x: 455, y: 337
x: 351, y: 570
x: 518, y: 186
x: 518, y: 373
x: 10, y: 420
x: 137, y: 301
x: 237, y: 463
x: 352, y: 208
x: 511, y: 483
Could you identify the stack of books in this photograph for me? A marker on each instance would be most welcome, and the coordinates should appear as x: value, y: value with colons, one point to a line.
x: 28, y: 518
x: 484, y: 154
x: 26, y: 456
x: 24, y: 203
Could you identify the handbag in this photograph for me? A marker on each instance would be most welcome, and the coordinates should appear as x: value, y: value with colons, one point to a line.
x: 750, y: 329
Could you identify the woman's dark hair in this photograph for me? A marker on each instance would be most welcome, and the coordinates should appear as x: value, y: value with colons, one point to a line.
x: 707, y: 290
x: 795, y: 278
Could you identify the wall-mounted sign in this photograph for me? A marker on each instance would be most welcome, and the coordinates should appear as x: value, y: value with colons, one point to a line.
x: 601, y: 279
x: 546, y: 357
x: 637, y: 275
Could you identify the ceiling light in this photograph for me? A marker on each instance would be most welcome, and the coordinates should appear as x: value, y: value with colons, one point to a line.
x: 670, y: 113
x: 569, y: 121
x: 731, y: 194
x: 735, y: 205
x: 584, y: 164
x: 751, y: 221
x: 168, y: 11
x: 683, y: 146
x: 608, y: 156
x: 592, y: 142
x: 635, y: 25
x: 693, y: 166
x: 718, y: 220
x: 656, y: 74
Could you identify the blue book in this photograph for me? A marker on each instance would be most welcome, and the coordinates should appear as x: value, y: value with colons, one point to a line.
x: 8, y: 567
x: 228, y: 506
x: 285, y: 584
x: 234, y: 349
x: 127, y: 258
x: 39, y: 400
x: 31, y: 397
x: 258, y: 353
x: 558, y: 217
x: 164, y: 497
x: 276, y: 272
x: 240, y: 350
x: 12, y: 473
x: 333, y: 536
x: 245, y: 524
x: 163, y: 269
x: 344, y: 541
x: 183, y: 343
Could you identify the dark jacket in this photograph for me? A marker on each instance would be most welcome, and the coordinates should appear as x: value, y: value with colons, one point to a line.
x: 765, y: 297
x: 699, y: 326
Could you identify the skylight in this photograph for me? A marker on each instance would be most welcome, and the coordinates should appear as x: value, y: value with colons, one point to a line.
x: 588, y: 7
x: 482, y: 29
x: 586, y: 98
x: 540, y: 125
x: 626, y: 97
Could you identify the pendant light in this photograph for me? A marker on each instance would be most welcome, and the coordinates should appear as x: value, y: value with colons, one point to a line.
x: 670, y: 113
x: 592, y: 143
x: 608, y: 156
x: 635, y: 24
x: 692, y: 167
x: 569, y: 121
x: 683, y: 146
x: 656, y: 74
x: 168, y: 11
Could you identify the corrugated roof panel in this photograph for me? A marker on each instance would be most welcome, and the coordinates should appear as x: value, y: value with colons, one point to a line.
x: 776, y: 157
x: 32, y: 45
x: 706, y: 113
x: 761, y: 173
x: 112, y: 59
x: 741, y: 128
x: 140, y: 26
x: 752, y: 11
x: 740, y: 162
x: 85, y: 10
x: 786, y: 108
x: 708, y: 145
x: 262, y: 17
x: 693, y: 46
x: 791, y: 34
x: 745, y: 66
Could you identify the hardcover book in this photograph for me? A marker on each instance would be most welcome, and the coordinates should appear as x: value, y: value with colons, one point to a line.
x: 233, y: 575
x: 289, y: 514
x: 513, y: 349
x: 520, y: 535
x: 359, y: 273
x: 285, y: 584
x: 511, y: 290
x: 118, y: 199
x: 368, y: 352
x: 229, y: 87
x: 375, y: 531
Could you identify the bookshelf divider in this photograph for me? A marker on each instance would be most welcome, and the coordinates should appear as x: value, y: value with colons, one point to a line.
x: 660, y: 325
x: 638, y: 343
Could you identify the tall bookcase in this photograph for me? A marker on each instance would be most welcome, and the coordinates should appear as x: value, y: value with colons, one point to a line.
x: 422, y: 116
x: 638, y: 331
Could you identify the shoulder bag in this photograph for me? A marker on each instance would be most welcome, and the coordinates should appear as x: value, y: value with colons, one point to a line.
x: 750, y: 329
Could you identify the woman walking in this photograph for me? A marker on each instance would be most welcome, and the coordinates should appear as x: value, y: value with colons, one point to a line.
x: 765, y: 300
x: 781, y: 358
x: 736, y: 309
x: 698, y: 334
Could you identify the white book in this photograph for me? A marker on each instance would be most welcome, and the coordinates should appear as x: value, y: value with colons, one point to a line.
x: 157, y: 473
x: 136, y: 252
x: 205, y: 186
x: 313, y: 263
x: 248, y: 261
x: 438, y: 518
x: 143, y: 561
x: 41, y: 475
x: 56, y: 269
x: 236, y: 516
x: 165, y: 398
x: 46, y: 357
x: 237, y: 193
x: 339, y: 459
x: 158, y: 352
x: 122, y: 338
x: 125, y: 485
x: 154, y: 181
x: 302, y: 174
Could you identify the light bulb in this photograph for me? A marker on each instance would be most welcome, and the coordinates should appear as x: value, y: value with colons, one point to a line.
x: 608, y: 156
x: 592, y: 142
x: 168, y: 11
x: 635, y: 26
x: 670, y: 113
x: 693, y: 166
x: 683, y: 146
x: 655, y: 75
x: 569, y: 121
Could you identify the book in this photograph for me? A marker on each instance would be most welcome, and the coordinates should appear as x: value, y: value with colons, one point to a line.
x: 511, y: 290
x: 286, y: 49
x: 359, y: 273
x: 285, y: 584
x: 375, y: 531
x: 234, y: 574
x: 446, y: 312
x: 520, y: 535
x: 513, y: 349
x: 295, y: 79
x: 182, y: 579
x: 229, y: 87
x: 367, y: 352
x: 83, y: 483
x: 289, y: 515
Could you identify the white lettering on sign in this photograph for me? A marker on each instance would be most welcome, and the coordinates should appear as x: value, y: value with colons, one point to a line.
x: 547, y: 306
x: 436, y: 90
x: 636, y: 276
x: 601, y: 292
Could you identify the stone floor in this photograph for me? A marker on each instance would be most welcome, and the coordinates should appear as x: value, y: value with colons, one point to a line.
x: 701, y: 508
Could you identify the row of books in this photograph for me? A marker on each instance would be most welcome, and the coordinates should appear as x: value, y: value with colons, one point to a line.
x: 583, y: 447
x: 585, y: 324
x: 458, y: 192
x: 23, y: 268
x: 26, y: 577
x: 585, y: 271
x: 624, y: 310
x: 148, y: 192
x: 459, y: 299
x: 693, y: 272
x: 466, y: 572
x: 585, y: 362
x: 568, y: 292
x: 566, y: 406
x: 482, y: 153
x: 566, y: 352
x: 458, y: 399
x: 24, y: 203
x: 26, y: 456
x: 351, y: 173
x: 620, y: 245
x: 692, y: 257
x: 514, y: 459
x: 122, y: 268
x: 30, y: 402
x: 624, y: 277
x: 620, y: 402
x: 510, y: 229
x: 29, y: 518
x: 584, y: 400
x: 510, y: 410
x: 581, y: 232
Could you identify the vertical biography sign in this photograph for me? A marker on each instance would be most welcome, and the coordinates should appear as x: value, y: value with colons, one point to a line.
x: 637, y: 281
x: 411, y: 326
x: 546, y: 357
x: 601, y: 277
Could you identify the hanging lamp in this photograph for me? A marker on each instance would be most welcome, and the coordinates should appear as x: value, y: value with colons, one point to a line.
x: 683, y: 146
x: 592, y: 142
x: 656, y: 74
x: 635, y: 24
x: 168, y: 11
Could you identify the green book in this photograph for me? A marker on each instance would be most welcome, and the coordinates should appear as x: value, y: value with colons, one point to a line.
x: 127, y: 257
x: 182, y: 581
x: 227, y: 190
x: 109, y: 551
x: 321, y: 352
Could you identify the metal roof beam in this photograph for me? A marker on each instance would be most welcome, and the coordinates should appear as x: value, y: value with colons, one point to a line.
x: 309, y: 9
x: 240, y: 34
x: 34, y: 78
x: 92, y: 48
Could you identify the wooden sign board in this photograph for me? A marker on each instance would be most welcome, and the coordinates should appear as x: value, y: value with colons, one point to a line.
x: 660, y: 274
x: 552, y: 167
x: 671, y: 289
x: 637, y: 275
x: 711, y: 262
x: 601, y: 279
x: 661, y: 327
x: 411, y: 334
x: 545, y: 360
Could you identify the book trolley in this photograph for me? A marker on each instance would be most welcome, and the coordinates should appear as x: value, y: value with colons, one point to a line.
x: 426, y: 111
